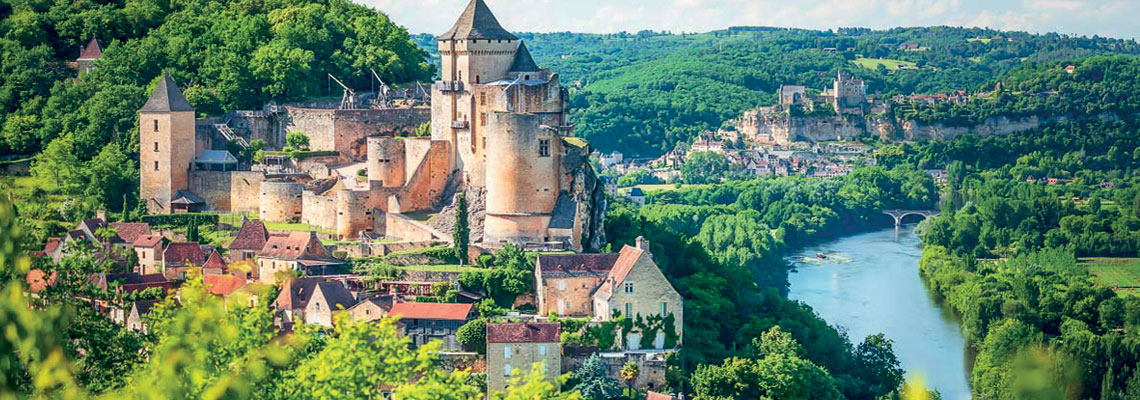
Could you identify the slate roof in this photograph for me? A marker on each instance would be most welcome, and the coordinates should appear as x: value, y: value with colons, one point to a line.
x: 216, y: 157
x: 384, y: 302
x: 442, y: 311
x: 335, y: 294
x: 627, y: 258
x: 528, y: 332
x: 477, y: 22
x: 166, y: 97
x: 130, y: 232
x: 523, y: 60
x: 185, y: 197
x: 143, y: 307
x: 296, y: 293
x: 252, y: 236
x: 223, y: 285
x: 179, y: 254
x: 571, y: 265
x: 636, y: 191
x: 565, y: 211
x: 91, y: 52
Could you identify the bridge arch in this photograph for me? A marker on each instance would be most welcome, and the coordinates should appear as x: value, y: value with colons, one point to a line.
x: 898, y: 215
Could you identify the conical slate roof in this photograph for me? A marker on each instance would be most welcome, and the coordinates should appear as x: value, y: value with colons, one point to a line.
x: 92, y: 52
x: 166, y: 97
x: 523, y: 61
x: 477, y: 22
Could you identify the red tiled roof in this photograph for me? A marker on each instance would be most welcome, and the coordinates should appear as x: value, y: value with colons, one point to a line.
x: 51, y: 245
x: 131, y: 231
x: 252, y: 236
x: 659, y: 396
x: 627, y: 258
x: 448, y: 311
x: 215, y: 261
x: 148, y: 241
x: 293, y: 247
x: 223, y: 285
x: 179, y: 254
x: 36, y: 281
x: 532, y: 332
x: 92, y: 51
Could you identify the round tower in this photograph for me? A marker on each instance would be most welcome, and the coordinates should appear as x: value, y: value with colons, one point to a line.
x: 522, y: 178
x: 386, y: 161
x: 352, y: 214
x: 281, y: 201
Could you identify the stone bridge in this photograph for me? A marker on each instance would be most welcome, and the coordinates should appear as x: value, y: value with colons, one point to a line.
x: 898, y: 215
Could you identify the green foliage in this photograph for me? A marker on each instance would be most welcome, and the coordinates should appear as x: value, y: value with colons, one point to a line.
x: 297, y: 140
x: 473, y: 335
x: 639, y: 177
x: 423, y: 130
x: 778, y: 372
x: 704, y: 167
x: 512, y: 275
x: 462, y: 235
x: 592, y: 381
x: 180, y: 220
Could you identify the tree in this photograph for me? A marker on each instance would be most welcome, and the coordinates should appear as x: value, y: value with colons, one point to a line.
x: 534, y: 386
x: 704, y: 167
x: 473, y: 335
x: 462, y: 235
x: 297, y: 140
x: 192, y: 232
x: 629, y: 373
x: 593, y: 382
x: 878, y: 365
x: 423, y: 130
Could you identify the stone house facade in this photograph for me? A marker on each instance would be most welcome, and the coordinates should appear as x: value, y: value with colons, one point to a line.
x: 566, y: 283
x: 512, y: 348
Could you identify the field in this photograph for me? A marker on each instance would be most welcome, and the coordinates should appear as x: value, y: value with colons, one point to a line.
x: 1117, y: 272
x: 983, y: 40
x: 874, y: 63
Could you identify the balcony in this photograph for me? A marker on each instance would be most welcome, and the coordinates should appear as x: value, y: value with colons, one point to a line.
x: 448, y: 86
x: 460, y: 124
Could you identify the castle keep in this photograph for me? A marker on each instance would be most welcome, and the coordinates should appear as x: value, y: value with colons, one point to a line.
x: 499, y: 132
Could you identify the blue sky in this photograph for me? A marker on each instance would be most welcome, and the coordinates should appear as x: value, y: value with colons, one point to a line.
x: 1115, y: 18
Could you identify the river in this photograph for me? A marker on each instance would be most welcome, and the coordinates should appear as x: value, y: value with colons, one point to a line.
x: 868, y: 284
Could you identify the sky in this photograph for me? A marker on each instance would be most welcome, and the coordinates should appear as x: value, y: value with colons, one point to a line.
x: 1113, y: 18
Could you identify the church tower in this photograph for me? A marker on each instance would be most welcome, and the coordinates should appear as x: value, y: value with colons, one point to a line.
x: 166, y: 132
x: 476, y: 51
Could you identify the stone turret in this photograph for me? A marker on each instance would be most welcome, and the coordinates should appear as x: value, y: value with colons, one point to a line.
x: 167, y: 146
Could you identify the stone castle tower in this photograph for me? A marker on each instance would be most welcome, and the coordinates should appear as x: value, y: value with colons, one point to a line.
x: 506, y: 119
x: 167, y: 148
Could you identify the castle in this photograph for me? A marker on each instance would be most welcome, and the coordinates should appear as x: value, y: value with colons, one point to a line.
x: 499, y: 132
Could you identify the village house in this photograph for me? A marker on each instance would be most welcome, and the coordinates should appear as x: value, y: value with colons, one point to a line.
x: 328, y: 300
x: 215, y: 264
x: 637, y: 196
x: 372, y: 308
x: 512, y: 348
x: 179, y: 258
x: 425, y: 322
x: 293, y: 302
x: 250, y: 240
x: 628, y: 283
x: 223, y: 285
x: 148, y: 251
x: 139, y: 310
x: 298, y: 251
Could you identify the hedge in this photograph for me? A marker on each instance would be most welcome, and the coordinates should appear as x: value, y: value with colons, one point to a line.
x: 181, y: 219
x: 301, y: 155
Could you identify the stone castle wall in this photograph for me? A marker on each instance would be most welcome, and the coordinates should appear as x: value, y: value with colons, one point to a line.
x: 231, y: 191
x: 386, y: 162
x: 318, y: 210
x: 281, y: 201
x: 164, y: 158
x: 346, y: 130
x: 522, y: 186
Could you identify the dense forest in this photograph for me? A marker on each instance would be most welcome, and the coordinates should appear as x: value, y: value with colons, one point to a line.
x: 725, y: 248
x: 1009, y: 254
x: 643, y: 93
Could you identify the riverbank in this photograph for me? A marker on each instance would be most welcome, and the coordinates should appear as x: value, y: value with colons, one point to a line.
x: 871, y: 284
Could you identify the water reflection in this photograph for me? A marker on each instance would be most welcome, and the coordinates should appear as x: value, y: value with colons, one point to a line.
x: 869, y: 284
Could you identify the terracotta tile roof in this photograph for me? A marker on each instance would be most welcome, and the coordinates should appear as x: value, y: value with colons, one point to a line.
x: 148, y: 241
x: 296, y: 246
x: 179, y: 254
x: 627, y: 258
x: 52, y: 245
x: 37, y: 282
x: 659, y: 396
x: 252, y: 236
x: 563, y: 265
x: 131, y: 231
x: 223, y: 285
x: 92, y: 51
x: 529, y: 332
x: 446, y: 311
x: 215, y: 261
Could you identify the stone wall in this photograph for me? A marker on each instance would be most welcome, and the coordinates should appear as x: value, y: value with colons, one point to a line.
x: 232, y: 191
x: 281, y: 201
x: 403, y: 227
x: 346, y: 130
x: 318, y: 210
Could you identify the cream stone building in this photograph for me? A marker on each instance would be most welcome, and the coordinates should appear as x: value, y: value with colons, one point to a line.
x: 512, y: 348
x: 492, y: 102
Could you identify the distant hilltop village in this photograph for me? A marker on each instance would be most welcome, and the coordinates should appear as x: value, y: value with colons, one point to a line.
x: 499, y: 132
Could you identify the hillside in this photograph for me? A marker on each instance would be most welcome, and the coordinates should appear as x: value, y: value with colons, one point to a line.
x: 644, y: 93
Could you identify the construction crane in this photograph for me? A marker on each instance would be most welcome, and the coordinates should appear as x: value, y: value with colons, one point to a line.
x: 382, y: 98
x: 348, y: 99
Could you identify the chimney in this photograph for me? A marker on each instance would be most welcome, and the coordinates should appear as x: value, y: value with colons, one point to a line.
x: 641, y: 243
x: 101, y: 214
